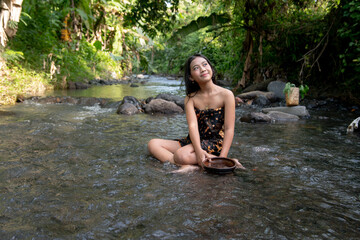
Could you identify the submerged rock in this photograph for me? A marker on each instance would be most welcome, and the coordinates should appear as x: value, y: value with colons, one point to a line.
x: 282, y: 117
x: 134, y: 85
x: 85, y: 101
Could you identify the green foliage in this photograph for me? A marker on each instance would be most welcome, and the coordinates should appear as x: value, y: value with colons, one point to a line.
x: 97, y: 44
x: 12, y: 57
x: 349, y: 35
x: 287, y: 88
x: 152, y: 16
x: 297, y: 39
x: 12, y: 24
x: 303, y: 89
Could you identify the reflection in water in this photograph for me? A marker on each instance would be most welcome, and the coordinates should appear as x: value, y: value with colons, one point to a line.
x: 149, y: 88
x: 74, y: 172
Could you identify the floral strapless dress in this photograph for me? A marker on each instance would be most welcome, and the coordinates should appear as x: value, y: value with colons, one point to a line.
x: 211, y: 130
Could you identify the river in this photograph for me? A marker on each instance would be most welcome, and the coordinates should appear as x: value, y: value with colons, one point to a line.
x: 83, y: 172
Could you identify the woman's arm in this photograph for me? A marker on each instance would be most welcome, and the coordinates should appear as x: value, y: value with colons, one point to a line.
x: 229, y: 124
x: 194, y: 129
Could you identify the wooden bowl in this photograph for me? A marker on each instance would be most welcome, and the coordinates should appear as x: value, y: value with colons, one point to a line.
x: 219, y: 165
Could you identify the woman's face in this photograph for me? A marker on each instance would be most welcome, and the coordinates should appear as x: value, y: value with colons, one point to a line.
x: 200, y: 70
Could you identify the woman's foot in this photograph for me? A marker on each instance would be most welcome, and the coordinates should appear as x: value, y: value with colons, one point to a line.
x: 238, y: 164
x: 187, y: 169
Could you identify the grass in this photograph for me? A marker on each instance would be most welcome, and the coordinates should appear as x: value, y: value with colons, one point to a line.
x: 18, y: 81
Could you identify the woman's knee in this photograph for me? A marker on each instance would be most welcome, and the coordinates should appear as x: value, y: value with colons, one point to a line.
x: 182, y: 157
x: 153, y: 144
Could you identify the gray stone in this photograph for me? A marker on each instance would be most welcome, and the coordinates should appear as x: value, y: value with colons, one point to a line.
x: 132, y: 100
x: 162, y: 106
x: 71, y: 85
x: 80, y: 85
x: 256, y: 117
x: 277, y: 87
x: 299, y: 111
x: 127, y: 109
x: 261, y: 101
x: 142, y: 76
x: 282, y: 117
x: 255, y: 94
x: 134, y: 85
x: 172, y: 98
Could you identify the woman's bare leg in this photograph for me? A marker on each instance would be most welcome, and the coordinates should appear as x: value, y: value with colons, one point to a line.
x: 163, y: 149
x: 186, y: 158
x: 185, y: 155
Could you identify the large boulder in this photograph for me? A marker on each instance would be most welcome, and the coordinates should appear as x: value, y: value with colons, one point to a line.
x: 260, y: 86
x: 256, y: 94
x: 271, y: 117
x: 127, y: 109
x: 172, y: 98
x: 162, y: 106
x: 299, y: 111
x: 132, y: 100
x: 277, y: 87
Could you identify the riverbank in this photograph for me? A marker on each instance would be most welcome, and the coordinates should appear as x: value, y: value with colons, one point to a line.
x: 17, y: 83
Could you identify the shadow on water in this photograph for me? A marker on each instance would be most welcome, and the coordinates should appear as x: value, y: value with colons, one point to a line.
x: 75, y: 172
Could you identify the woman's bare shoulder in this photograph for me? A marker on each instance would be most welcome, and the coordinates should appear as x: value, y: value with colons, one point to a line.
x: 226, y: 92
x: 189, y: 100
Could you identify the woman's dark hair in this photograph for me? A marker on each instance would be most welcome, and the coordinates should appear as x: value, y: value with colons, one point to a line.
x: 192, y: 86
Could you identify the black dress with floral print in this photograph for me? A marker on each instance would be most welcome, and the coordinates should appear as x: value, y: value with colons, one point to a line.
x: 211, y: 130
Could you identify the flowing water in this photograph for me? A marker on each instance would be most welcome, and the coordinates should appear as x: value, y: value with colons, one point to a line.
x: 80, y: 172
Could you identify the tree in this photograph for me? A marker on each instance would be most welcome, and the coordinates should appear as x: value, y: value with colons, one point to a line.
x: 10, y: 11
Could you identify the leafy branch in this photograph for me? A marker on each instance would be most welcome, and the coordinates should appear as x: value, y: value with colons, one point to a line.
x: 312, y: 53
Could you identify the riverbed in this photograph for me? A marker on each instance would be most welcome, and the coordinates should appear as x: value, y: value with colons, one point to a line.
x: 83, y: 172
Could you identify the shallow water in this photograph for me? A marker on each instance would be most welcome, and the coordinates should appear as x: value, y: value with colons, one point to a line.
x: 76, y: 172
x: 150, y: 87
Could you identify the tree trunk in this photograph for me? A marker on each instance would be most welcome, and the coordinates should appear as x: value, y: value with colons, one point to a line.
x: 10, y: 11
x: 246, y: 73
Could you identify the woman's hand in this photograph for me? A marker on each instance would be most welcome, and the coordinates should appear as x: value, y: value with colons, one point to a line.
x: 202, y: 156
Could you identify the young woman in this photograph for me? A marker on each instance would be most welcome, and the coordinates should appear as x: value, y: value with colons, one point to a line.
x: 210, y: 114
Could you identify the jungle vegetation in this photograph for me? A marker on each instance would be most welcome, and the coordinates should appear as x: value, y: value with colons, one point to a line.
x: 312, y: 42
